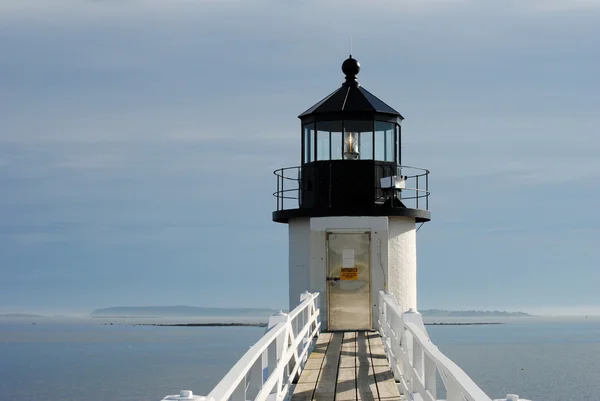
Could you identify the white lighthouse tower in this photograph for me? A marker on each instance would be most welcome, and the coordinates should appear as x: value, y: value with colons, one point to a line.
x: 352, y: 208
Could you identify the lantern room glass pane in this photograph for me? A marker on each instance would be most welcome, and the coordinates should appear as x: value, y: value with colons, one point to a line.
x: 336, y: 145
x: 399, y: 144
x: 309, y: 143
x: 329, y: 140
x: 384, y: 141
x: 379, y: 145
x: 366, y: 145
x: 322, y: 145
x: 389, y: 144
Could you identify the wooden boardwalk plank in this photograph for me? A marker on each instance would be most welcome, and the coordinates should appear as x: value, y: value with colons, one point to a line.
x: 386, y: 385
x: 378, y: 355
x: 307, y: 383
x: 367, y: 389
x: 325, y: 389
x: 347, y: 366
x: 346, y: 381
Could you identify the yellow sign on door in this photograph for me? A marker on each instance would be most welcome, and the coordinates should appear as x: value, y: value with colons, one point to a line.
x: 349, y: 273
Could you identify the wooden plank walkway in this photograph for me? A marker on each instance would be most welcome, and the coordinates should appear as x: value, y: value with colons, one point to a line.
x: 349, y: 366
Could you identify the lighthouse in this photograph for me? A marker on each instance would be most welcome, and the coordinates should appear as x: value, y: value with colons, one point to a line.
x: 352, y: 208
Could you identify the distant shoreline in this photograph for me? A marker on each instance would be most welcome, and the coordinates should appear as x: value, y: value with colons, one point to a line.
x: 262, y: 324
x: 203, y: 324
x: 462, y: 324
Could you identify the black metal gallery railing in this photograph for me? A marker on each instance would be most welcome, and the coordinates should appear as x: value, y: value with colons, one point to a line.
x: 352, y: 184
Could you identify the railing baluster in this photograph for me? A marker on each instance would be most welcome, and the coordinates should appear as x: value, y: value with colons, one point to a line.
x: 298, y: 177
x: 278, y: 193
x: 417, y: 191
x: 427, y: 191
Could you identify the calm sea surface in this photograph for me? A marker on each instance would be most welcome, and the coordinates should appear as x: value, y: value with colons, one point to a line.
x: 545, y: 360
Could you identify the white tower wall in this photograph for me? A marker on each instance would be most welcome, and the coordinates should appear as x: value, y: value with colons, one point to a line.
x: 393, y: 257
x: 402, y: 261
x: 299, y: 259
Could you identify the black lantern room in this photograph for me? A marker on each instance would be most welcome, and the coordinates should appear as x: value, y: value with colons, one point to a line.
x: 351, y: 161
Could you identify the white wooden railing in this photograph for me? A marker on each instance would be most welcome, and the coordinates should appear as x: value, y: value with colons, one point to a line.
x: 416, y: 362
x: 270, y: 367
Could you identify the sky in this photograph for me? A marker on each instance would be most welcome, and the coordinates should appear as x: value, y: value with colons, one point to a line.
x: 138, y: 140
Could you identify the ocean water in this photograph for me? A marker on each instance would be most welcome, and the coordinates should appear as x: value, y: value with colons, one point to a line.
x: 70, y: 360
x: 539, y: 359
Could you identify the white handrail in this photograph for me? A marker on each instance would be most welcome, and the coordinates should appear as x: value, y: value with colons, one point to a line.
x: 269, y: 368
x: 414, y: 359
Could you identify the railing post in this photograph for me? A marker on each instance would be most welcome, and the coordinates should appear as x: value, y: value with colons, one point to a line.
x: 306, y: 317
x: 427, y: 190
x: 299, y: 179
x: 417, y: 191
x: 279, y: 178
x: 274, y: 357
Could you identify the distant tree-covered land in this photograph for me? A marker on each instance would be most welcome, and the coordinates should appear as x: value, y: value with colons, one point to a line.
x: 179, y: 311
x: 470, y: 313
x: 195, y: 311
x: 18, y: 315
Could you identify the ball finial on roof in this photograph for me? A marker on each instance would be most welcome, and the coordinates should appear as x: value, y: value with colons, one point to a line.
x: 351, y: 67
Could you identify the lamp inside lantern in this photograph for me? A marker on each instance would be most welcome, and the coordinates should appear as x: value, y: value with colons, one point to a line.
x: 351, y: 146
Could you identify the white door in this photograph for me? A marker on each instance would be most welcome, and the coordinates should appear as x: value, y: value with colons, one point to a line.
x: 348, y: 281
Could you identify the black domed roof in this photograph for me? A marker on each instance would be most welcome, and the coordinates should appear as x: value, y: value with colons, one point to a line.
x: 350, y: 97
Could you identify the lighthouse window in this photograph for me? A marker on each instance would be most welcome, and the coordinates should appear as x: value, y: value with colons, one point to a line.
x: 336, y: 145
x: 323, y: 145
x: 329, y: 137
x: 379, y: 145
x: 366, y: 145
x: 384, y: 141
x: 389, y: 144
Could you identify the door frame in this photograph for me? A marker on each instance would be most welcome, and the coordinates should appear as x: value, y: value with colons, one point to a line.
x: 327, y: 285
